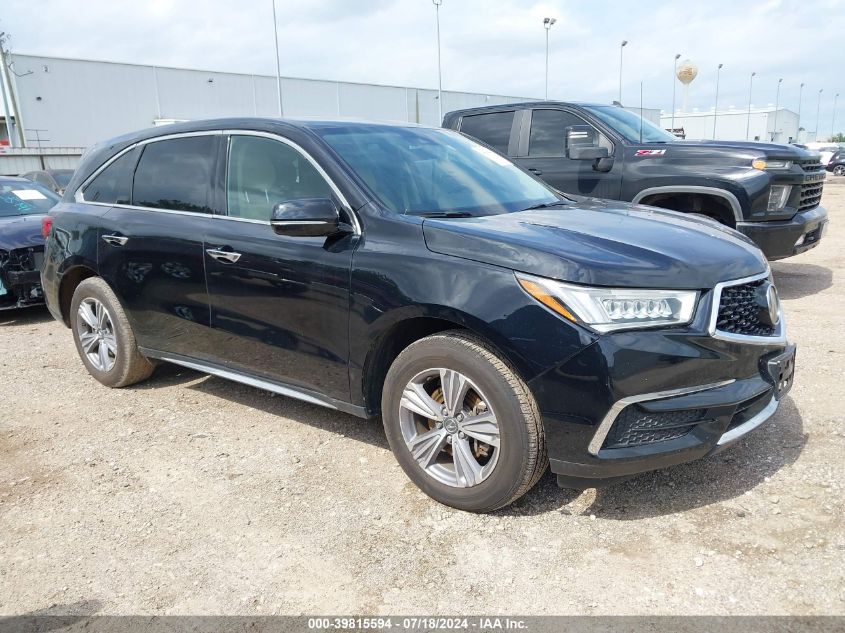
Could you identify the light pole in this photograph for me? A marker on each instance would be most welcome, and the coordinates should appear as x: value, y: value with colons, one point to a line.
x: 833, y: 118
x: 674, y: 79
x: 621, y: 47
x: 748, y: 120
x: 437, y: 4
x: 716, y: 104
x: 278, y: 64
x: 800, y: 94
x: 777, y: 101
x: 818, y: 109
x: 547, y: 24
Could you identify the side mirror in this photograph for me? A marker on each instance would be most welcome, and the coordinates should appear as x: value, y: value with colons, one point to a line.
x: 306, y: 217
x: 582, y: 143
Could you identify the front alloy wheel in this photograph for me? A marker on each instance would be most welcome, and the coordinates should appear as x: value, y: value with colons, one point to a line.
x: 461, y: 422
x: 449, y: 427
x: 839, y: 170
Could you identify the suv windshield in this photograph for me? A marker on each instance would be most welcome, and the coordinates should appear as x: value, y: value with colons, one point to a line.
x: 25, y: 198
x: 434, y: 171
x: 631, y: 126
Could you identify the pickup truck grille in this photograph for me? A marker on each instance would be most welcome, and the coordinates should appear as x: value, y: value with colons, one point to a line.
x: 738, y: 311
x: 811, y: 192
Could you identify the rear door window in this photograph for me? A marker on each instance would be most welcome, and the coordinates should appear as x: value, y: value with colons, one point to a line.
x: 114, y: 184
x: 176, y: 174
x: 493, y: 128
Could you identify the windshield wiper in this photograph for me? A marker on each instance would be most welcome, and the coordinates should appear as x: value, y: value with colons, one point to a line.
x: 545, y: 205
x: 440, y: 214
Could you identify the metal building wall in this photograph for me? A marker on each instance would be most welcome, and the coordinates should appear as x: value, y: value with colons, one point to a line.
x: 78, y: 102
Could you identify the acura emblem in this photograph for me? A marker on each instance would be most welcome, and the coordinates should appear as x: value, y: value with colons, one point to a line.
x: 774, y: 304
x: 768, y: 304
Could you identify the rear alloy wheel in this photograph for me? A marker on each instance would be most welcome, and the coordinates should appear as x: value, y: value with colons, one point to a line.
x: 103, y: 336
x: 462, y: 424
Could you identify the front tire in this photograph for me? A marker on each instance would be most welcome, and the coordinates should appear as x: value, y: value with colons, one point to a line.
x: 839, y: 170
x: 462, y: 424
x: 103, y: 337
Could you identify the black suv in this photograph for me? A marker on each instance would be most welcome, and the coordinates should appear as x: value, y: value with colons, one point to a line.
x: 769, y: 192
x: 494, y: 324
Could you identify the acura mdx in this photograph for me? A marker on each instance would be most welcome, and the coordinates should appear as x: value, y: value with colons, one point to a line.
x: 496, y: 325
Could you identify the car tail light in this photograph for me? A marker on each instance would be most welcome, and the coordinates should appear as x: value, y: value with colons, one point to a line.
x: 46, y: 225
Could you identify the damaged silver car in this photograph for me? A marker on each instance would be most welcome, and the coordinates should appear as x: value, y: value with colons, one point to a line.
x: 22, y: 205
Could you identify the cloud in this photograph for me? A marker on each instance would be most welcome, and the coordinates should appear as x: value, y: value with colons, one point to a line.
x: 488, y: 47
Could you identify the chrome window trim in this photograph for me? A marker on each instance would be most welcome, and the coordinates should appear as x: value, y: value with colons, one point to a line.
x: 780, y: 332
x: 607, y: 422
x: 80, y: 198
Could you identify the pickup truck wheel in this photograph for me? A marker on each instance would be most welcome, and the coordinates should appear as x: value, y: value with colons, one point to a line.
x: 103, y: 336
x: 463, y: 426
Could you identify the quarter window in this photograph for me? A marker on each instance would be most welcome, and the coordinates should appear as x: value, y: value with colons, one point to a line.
x: 176, y: 174
x: 114, y: 184
x: 263, y: 172
x: 493, y: 128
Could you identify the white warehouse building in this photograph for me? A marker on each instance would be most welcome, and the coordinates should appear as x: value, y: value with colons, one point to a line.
x: 763, y: 124
x: 74, y: 103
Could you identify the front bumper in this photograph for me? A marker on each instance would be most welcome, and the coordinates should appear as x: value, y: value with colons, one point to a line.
x: 694, y: 395
x: 20, y: 288
x: 784, y: 238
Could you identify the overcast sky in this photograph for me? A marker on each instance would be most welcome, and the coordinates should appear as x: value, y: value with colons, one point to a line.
x: 488, y: 46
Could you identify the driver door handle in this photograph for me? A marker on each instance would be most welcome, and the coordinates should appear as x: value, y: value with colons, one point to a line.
x: 535, y: 171
x: 223, y: 256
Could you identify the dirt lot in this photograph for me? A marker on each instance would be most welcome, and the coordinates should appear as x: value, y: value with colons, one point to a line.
x: 190, y: 494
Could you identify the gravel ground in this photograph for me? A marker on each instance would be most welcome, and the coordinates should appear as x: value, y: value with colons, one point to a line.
x: 192, y: 495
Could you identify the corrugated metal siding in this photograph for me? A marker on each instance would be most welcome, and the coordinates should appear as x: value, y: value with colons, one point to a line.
x: 83, y: 102
x: 16, y: 161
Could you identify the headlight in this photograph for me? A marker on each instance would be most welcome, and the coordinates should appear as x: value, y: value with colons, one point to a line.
x: 610, y: 309
x: 763, y: 163
x: 778, y: 195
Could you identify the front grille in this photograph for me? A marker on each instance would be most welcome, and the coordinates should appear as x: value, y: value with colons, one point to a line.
x: 738, y: 311
x: 811, y: 192
x: 811, y: 165
x: 26, y: 258
x: 635, y: 426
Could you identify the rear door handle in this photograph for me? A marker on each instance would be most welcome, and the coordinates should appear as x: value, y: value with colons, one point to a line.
x: 223, y: 256
x: 535, y: 171
x: 115, y: 240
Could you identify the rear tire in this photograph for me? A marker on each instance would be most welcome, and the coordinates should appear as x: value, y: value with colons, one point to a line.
x: 446, y: 394
x: 103, y: 337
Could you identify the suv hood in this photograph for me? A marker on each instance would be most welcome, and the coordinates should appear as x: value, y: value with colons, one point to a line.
x: 20, y: 231
x: 602, y: 243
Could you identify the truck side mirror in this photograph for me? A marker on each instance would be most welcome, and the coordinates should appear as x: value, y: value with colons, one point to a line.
x: 582, y: 143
